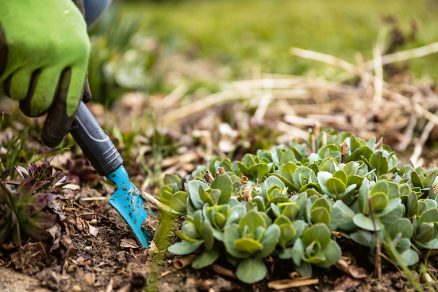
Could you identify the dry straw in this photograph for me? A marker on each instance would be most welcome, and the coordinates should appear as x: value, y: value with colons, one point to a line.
x: 403, y: 112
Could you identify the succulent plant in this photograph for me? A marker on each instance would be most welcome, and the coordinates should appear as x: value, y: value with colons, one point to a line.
x: 23, y: 210
x: 426, y: 225
x: 287, y: 201
x: 316, y: 247
x: 254, y: 238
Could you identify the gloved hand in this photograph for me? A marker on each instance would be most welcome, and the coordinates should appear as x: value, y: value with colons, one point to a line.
x: 44, y: 49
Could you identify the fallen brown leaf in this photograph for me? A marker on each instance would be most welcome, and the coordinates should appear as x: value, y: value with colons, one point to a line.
x: 346, y: 283
x: 73, y: 187
x: 89, y: 278
x: 352, y: 270
x: 93, y: 230
x: 128, y: 243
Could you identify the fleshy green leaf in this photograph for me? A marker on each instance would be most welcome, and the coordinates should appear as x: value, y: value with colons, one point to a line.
x: 430, y: 215
x: 252, y: 219
x: 193, y: 190
x: 224, y: 184
x: 379, y: 163
x: 412, y: 204
x: 410, y: 257
x: 179, y: 202
x: 206, y: 258
x: 367, y: 223
x: 332, y: 254
x: 184, y: 247
x: 379, y: 201
x: 231, y: 234
x: 208, y: 235
x: 342, y: 175
x: 335, y: 186
x: 320, y: 215
x: 342, y: 216
x: 362, y: 237
x: 297, y: 252
x: 248, y: 245
x: 318, y: 232
x: 270, y: 240
x: 251, y: 270
x: 401, y: 226
x: 305, y: 269
x: 416, y: 180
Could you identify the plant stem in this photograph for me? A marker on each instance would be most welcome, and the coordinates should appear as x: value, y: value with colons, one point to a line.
x: 399, y: 260
x: 378, y: 259
x: 162, y: 241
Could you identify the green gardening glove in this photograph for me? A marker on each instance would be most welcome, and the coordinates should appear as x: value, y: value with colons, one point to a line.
x: 44, y: 49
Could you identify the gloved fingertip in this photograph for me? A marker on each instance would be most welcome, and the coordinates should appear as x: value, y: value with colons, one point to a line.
x: 86, y: 95
x: 49, y: 139
x: 56, y: 127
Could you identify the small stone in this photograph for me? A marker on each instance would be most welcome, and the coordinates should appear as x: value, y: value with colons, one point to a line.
x: 76, y: 288
x: 89, y: 278
x: 71, y: 268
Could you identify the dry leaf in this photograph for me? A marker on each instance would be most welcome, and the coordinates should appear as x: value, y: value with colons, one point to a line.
x: 346, y: 283
x: 128, y: 243
x: 89, y: 278
x: 357, y: 272
x: 55, y: 232
x: 93, y: 230
x: 352, y: 270
x: 73, y: 187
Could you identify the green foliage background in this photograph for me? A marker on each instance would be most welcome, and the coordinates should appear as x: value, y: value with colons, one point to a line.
x: 248, y: 36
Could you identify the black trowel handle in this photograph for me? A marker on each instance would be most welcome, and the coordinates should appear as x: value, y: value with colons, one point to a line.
x: 93, y: 141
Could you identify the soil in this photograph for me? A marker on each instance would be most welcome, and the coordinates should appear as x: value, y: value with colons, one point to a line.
x: 92, y: 249
x: 11, y: 281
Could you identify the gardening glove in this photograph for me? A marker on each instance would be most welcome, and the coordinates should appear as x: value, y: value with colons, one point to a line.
x: 44, y: 49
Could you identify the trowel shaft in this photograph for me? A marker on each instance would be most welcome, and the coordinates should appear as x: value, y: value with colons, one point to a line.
x: 95, y: 144
x: 105, y: 158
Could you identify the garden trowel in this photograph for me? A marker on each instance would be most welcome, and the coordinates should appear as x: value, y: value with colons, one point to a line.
x: 105, y: 158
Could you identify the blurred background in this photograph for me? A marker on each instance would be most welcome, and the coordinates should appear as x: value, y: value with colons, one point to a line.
x: 178, y: 82
x: 153, y: 46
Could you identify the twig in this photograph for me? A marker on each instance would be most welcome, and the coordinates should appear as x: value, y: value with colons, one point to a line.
x: 259, y: 114
x: 223, y: 271
x: 324, y: 58
x: 292, y: 283
x: 178, y: 93
x: 295, y: 120
x: 408, y: 54
x: 220, y: 98
x: 94, y: 199
x: 183, y: 262
x: 407, y: 136
x: 293, y: 131
x: 420, y: 143
x: 378, y: 75
x: 426, y: 114
x: 149, y: 198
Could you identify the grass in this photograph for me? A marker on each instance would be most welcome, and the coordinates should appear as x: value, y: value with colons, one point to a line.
x: 253, y: 35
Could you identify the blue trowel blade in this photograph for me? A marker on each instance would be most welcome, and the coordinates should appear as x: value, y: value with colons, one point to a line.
x: 128, y: 202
